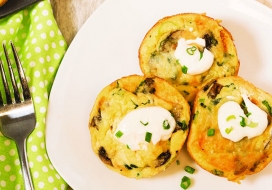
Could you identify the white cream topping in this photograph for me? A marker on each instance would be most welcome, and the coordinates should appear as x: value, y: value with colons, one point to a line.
x: 235, y: 125
x: 189, y: 56
x: 138, y: 124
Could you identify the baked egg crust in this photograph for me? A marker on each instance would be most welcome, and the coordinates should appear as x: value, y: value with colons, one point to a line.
x: 216, y: 154
x: 118, y: 99
x: 157, y: 51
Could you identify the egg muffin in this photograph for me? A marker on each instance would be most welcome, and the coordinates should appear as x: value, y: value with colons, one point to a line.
x: 233, y: 142
x: 126, y: 96
x: 188, y: 50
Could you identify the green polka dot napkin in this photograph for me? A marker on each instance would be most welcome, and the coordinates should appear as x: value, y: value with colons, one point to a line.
x: 41, y: 48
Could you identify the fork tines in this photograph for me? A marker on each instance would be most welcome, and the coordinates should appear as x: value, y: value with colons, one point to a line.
x: 14, y: 89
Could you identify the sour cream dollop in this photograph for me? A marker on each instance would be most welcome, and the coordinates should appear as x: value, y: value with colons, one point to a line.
x: 234, y: 124
x: 189, y: 56
x: 145, y: 125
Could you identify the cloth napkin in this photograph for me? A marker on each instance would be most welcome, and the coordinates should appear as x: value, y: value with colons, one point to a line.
x: 41, y: 48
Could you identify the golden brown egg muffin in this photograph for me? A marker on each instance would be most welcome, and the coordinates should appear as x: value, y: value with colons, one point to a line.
x: 118, y: 99
x: 157, y: 57
x: 221, y: 156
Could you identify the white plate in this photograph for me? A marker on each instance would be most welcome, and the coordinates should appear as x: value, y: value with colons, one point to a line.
x: 105, y: 49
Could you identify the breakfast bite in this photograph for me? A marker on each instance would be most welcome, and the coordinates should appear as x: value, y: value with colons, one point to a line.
x: 138, y: 125
x: 188, y: 50
x: 230, y: 132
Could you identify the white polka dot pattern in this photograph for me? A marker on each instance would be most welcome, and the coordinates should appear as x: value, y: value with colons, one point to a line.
x: 41, y: 47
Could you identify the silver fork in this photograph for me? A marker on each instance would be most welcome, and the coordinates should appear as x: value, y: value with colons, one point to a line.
x: 17, y: 115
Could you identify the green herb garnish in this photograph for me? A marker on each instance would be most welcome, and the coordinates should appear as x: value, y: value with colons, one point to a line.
x: 220, y: 64
x: 252, y: 124
x: 216, y: 101
x: 133, y: 166
x: 184, y: 69
x: 189, y: 169
x: 148, y: 136
x: 166, y: 124
x: 228, y: 130
x: 210, y: 132
x: 231, y: 117
x: 185, y: 182
x: 267, y: 106
x: 191, y: 50
x: 243, y: 122
x: 119, y: 134
x: 135, y: 105
x: 145, y: 124
x: 182, y: 125
x: 195, y: 115
x: 178, y: 162
x: 201, y: 55
x: 202, y: 100
x: 217, y: 172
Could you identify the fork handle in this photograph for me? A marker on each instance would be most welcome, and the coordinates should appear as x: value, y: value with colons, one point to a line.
x: 21, y: 144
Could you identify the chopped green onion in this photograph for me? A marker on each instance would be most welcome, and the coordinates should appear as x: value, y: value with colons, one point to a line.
x: 228, y: 130
x: 248, y: 114
x: 145, y: 124
x: 216, y: 101
x: 185, y: 182
x: 128, y: 147
x: 136, y: 105
x: 128, y: 167
x: 210, y: 132
x: 119, y: 134
x: 220, y: 64
x: 243, y: 122
x: 202, y: 105
x: 201, y: 55
x: 166, y: 124
x: 231, y: 117
x: 253, y: 124
x: 184, y: 69
x: 195, y: 115
x: 214, y: 41
x: 202, y: 100
x: 217, y: 172
x: 189, y: 169
x: 182, y: 125
x: 191, y: 50
x: 178, y: 162
x: 268, y: 107
x: 148, y: 136
x: 186, y: 93
x: 133, y: 166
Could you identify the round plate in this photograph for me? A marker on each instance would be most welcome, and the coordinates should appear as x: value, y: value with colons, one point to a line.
x: 105, y: 49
